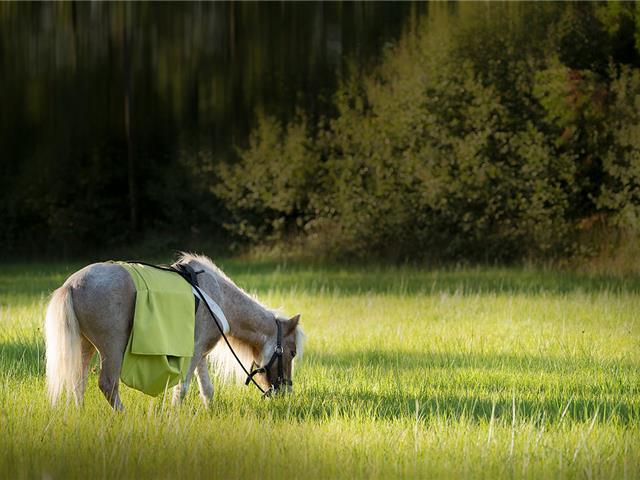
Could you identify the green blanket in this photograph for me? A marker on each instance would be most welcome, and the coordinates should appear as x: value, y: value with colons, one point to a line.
x: 161, y: 342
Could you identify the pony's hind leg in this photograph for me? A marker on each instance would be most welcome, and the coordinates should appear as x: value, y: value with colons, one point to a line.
x: 88, y: 350
x: 111, y: 363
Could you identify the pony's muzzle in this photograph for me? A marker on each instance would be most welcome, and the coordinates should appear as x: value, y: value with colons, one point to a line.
x: 280, y: 391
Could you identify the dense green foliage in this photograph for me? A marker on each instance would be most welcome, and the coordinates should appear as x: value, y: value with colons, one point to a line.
x: 465, y: 373
x: 494, y: 132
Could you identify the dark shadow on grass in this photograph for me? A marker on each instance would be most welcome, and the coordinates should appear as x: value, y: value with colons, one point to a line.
x: 510, y: 362
x: 29, y: 281
x: 470, y: 406
x: 611, y: 402
x: 264, y: 276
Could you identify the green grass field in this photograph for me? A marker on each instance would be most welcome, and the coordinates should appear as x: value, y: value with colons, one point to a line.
x: 487, y: 373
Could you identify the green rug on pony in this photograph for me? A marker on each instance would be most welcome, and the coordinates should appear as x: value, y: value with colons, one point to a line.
x: 161, y: 342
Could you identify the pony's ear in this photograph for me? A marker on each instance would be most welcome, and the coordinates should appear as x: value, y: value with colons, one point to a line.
x: 292, y: 323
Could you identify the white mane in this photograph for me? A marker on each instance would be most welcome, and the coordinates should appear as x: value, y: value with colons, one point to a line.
x: 225, y: 365
x: 186, y: 257
x: 300, y: 339
x: 207, y: 263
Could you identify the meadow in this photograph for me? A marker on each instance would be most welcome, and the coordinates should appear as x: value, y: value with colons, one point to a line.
x: 407, y: 373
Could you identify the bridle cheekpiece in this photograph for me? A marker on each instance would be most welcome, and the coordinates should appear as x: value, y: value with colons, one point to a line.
x: 275, y: 357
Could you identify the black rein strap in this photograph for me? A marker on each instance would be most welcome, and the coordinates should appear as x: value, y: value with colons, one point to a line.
x: 191, y: 277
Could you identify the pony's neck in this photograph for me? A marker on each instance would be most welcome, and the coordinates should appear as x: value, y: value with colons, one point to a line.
x: 249, y: 321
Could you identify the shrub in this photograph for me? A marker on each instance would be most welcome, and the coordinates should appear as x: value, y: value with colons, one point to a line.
x: 465, y: 146
x: 267, y: 190
x: 620, y: 192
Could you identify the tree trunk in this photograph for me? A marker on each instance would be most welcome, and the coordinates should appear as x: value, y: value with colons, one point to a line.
x: 128, y: 83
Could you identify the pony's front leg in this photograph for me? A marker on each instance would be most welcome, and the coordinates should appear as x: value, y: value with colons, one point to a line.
x: 204, y: 381
x: 180, y: 390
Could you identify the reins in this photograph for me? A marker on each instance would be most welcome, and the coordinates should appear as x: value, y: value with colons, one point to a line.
x: 190, y: 276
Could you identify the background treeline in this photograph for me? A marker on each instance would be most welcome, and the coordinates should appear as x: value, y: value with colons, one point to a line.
x: 499, y: 131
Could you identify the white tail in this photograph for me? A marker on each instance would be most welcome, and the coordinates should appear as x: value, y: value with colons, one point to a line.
x: 62, y: 335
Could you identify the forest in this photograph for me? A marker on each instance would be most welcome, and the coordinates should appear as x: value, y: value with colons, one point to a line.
x: 418, y: 131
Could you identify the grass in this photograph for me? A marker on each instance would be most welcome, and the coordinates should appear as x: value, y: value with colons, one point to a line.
x: 484, y: 373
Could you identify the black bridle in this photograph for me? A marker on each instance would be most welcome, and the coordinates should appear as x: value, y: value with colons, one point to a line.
x: 275, y: 357
x: 191, y: 277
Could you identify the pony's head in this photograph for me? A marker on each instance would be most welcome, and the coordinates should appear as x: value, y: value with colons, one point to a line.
x: 264, y: 363
x: 274, y: 365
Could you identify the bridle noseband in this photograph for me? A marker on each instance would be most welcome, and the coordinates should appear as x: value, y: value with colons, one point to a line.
x: 276, y: 356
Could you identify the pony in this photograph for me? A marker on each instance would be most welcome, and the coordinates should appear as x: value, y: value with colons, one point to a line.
x: 93, y: 311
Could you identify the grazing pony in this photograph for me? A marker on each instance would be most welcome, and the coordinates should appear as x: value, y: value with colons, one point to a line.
x: 94, y: 309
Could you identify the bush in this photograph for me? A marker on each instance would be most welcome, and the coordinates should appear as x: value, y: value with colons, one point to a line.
x: 620, y: 193
x: 439, y: 154
x: 267, y: 191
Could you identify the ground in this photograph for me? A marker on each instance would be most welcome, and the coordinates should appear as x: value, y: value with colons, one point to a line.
x: 408, y: 372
